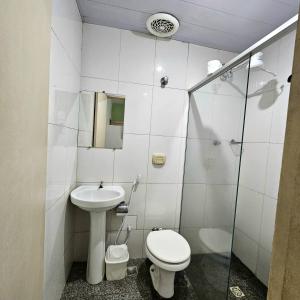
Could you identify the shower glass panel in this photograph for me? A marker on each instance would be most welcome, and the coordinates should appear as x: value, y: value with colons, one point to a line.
x: 211, y: 175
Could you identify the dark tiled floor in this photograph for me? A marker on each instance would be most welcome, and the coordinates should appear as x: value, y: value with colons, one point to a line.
x: 209, y: 273
x: 241, y: 276
x: 209, y: 276
x: 204, y: 279
x: 133, y: 287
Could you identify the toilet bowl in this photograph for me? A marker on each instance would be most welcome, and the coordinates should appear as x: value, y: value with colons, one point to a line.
x: 169, y: 252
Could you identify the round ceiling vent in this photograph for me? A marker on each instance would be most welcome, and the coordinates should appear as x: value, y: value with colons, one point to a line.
x: 162, y: 24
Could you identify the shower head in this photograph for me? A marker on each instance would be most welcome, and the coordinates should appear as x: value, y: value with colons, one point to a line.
x: 162, y: 24
x: 256, y: 61
x: 257, y: 64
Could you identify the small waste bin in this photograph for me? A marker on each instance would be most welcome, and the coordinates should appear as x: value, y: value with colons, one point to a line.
x: 116, y: 260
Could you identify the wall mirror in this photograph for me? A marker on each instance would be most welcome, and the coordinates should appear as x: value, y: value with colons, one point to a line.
x: 101, y: 120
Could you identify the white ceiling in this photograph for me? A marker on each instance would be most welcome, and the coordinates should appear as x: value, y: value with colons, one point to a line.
x: 231, y: 25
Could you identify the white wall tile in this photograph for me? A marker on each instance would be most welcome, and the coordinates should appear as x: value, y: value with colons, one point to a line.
x: 254, y: 165
x: 135, y: 242
x: 279, y: 117
x: 84, y: 138
x: 209, y: 163
x: 54, y: 236
x: 178, y: 208
x: 81, y: 242
x: 161, y: 203
x: 171, y: 171
x: 235, y: 86
x: 222, y: 163
x: 274, y: 170
x: 248, y: 213
x: 86, y: 110
x: 197, y: 63
x: 71, y: 158
x: 55, y: 283
x: 268, y: 223
x: 63, y: 87
x: 100, y: 51
x: 58, y: 236
x: 95, y: 165
x: 219, y: 206
x: 68, y: 258
x: 132, y: 160
x: 63, y: 74
x: 99, y: 85
x: 137, y: 49
x: 262, y: 80
x: 137, y: 203
x: 137, y: 107
x: 63, y: 108
x: 129, y: 221
x: 192, y: 214
x: 67, y: 25
x: 171, y: 60
x: 259, y: 117
x: 56, y: 164
x: 226, y: 56
x: 286, y: 56
x: 245, y: 249
x: 169, y: 112
x: 191, y: 234
x: 81, y: 220
x: 227, y: 113
x: 146, y: 232
x: 200, y: 115
x: 263, y: 265
x: 197, y: 160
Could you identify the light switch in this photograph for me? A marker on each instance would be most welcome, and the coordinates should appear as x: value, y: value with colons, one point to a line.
x: 158, y: 159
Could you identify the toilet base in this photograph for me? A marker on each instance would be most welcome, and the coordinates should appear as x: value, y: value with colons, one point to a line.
x: 163, y: 281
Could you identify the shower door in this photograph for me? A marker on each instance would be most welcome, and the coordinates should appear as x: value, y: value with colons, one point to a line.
x: 211, y: 175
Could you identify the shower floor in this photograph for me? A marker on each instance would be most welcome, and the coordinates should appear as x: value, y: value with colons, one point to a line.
x: 189, y: 285
x: 208, y: 275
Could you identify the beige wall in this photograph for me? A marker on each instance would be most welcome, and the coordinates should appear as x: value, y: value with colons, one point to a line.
x: 284, y: 283
x: 24, y: 84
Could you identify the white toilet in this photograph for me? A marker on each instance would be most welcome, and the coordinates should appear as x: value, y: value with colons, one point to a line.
x: 169, y: 252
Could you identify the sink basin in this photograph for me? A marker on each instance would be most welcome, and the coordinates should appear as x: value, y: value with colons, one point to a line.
x: 97, y: 201
x: 91, y: 198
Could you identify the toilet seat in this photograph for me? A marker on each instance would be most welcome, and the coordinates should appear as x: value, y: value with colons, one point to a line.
x: 167, y: 266
x: 168, y: 250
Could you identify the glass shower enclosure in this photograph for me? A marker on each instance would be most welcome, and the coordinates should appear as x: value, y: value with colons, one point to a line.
x: 235, y: 137
x: 213, y: 155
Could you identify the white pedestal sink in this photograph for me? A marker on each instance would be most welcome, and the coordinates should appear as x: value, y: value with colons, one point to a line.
x: 97, y: 201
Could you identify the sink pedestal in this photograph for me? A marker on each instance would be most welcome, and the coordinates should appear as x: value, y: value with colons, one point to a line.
x: 96, y: 263
x: 97, y: 201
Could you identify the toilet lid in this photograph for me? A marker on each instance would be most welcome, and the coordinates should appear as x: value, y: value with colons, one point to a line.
x: 168, y: 246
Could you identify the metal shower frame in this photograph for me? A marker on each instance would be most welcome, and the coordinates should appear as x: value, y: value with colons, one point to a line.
x: 262, y: 43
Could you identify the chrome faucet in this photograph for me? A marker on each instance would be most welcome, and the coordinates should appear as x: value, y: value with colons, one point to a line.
x: 101, y: 185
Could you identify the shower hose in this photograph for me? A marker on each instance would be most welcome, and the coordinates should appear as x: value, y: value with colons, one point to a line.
x: 133, y: 189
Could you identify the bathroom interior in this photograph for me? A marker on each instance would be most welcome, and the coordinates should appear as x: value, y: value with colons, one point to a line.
x: 157, y: 152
